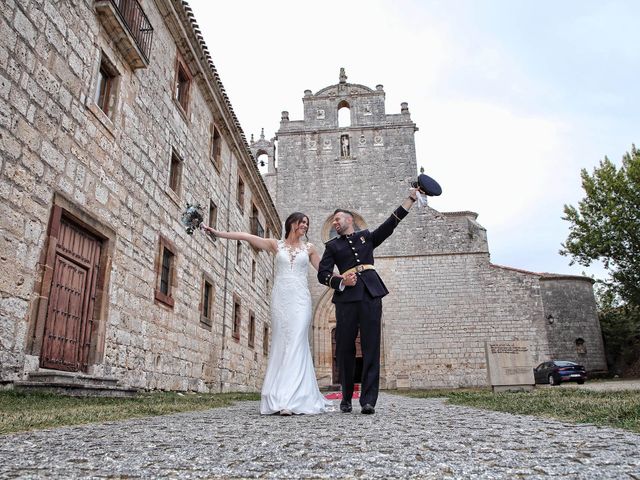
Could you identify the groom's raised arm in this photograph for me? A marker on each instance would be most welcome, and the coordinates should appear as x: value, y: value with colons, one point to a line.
x: 325, y: 270
x: 385, y: 230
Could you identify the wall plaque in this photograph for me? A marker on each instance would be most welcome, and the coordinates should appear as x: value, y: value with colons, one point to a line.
x: 509, y: 365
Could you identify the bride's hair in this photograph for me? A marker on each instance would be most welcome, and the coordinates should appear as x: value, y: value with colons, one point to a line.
x: 291, y: 219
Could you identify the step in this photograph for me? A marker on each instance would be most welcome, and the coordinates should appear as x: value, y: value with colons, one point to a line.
x: 75, y: 389
x: 60, y: 377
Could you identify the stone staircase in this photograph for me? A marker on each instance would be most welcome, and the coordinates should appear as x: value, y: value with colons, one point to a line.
x: 74, y: 384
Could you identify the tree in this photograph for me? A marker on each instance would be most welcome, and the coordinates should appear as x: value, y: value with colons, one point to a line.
x: 606, y: 225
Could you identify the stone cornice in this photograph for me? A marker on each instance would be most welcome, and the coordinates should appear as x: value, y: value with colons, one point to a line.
x: 352, y: 128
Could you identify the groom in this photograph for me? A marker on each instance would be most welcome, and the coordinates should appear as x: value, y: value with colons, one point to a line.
x: 358, y: 299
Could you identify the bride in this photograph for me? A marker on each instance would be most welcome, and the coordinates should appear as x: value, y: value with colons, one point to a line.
x: 290, y: 385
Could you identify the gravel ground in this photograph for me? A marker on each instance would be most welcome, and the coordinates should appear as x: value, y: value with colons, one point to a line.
x: 406, y: 438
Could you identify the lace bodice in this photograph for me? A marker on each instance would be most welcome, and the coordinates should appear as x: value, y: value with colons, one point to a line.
x: 292, y: 262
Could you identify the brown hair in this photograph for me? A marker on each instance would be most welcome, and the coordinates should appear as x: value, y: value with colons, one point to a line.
x: 291, y: 219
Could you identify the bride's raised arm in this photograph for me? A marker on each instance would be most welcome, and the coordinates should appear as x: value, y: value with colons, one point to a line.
x: 268, y: 244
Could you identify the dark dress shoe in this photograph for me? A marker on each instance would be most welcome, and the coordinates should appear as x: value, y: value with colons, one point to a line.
x: 368, y: 409
x: 345, y: 408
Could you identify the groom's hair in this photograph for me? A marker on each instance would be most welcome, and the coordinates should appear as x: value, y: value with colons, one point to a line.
x: 342, y: 210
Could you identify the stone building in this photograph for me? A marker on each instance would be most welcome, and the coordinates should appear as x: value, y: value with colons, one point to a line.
x: 447, y: 298
x: 112, y: 119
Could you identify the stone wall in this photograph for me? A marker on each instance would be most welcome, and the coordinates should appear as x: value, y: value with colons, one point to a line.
x: 111, y: 171
x: 446, y: 298
x: 571, y: 321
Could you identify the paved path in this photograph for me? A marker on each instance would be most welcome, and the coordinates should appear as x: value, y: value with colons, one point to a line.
x: 406, y: 438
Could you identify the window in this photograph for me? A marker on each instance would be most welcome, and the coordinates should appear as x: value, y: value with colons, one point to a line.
x: 165, y: 271
x: 175, y: 172
x: 256, y: 226
x: 106, y: 87
x: 236, y: 318
x: 240, y: 193
x: 344, y: 115
x: 206, y: 311
x: 216, y: 147
x: 265, y: 341
x: 182, y: 84
x: 238, y: 253
x: 581, y: 347
x: 213, y: 215
x: 253, y: 270
x: 252, y: 329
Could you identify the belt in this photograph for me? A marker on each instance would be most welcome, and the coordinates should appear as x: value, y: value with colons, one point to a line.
x: 358, y: 269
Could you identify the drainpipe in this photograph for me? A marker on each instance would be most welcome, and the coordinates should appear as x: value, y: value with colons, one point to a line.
x: 226, y: 280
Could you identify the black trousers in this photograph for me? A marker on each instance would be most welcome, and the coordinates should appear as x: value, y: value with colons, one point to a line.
x: 364, y: 315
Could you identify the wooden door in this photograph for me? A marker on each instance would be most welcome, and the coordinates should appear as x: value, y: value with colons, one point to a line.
x: 69, y: 323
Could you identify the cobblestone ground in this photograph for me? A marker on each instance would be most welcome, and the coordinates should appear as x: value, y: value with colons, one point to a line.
x: 406, y: 438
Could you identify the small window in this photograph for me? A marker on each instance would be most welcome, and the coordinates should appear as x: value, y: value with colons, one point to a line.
x: 175, y: 172
x: 216, y: 147
x: 182, y: 84
x: 165, y: 272
x: 256, y: 227
x: 265, y: 341
x: 213, y: 215
x: 238, y: 253
x: 344, y: 114
x: 253, y: 270
x: 106, y: 86
x: 581, y: 347
x: 236, y: 318
x: 240, y: 193
x: 207, y: 302
x: 252, y: 329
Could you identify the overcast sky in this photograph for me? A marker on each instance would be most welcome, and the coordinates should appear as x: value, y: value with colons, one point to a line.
x: 511, y: 97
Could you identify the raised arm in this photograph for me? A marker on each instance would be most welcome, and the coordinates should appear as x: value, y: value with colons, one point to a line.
x: 268, y: 244
x: 385, y: 230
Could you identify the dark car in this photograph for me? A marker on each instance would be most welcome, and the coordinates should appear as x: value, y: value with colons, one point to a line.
x: 558, y: 371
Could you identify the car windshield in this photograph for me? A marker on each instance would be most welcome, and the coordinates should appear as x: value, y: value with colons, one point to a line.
x: 565, y: 364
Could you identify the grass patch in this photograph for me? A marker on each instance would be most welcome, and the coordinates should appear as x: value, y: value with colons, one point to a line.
x: 620, y: 409
x: 22, y: 411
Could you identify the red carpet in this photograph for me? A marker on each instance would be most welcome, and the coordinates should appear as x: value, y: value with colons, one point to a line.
x: 338, y: 395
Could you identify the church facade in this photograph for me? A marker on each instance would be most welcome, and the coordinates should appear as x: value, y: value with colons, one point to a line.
x: 447, y: 299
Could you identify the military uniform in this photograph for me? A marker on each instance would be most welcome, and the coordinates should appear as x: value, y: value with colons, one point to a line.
x: 358, y: 306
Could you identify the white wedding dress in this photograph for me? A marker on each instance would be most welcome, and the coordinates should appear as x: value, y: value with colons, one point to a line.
x: 290, y: 382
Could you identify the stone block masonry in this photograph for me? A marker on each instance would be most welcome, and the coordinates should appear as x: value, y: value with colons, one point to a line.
x: 84, y: 133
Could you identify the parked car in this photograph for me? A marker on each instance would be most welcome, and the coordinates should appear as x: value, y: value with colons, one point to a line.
x: 558, y: 371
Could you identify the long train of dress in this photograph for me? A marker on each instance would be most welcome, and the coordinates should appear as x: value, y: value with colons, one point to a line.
x: 290, y: 381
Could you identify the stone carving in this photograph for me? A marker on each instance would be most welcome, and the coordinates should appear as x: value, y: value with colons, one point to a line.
x: 362, y: 141
x: 320, y: 114
x: 367, y: 110
x: 378, y: 141
x: 344, y: 146
x: 343, y: 76
x: 326, y: 144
